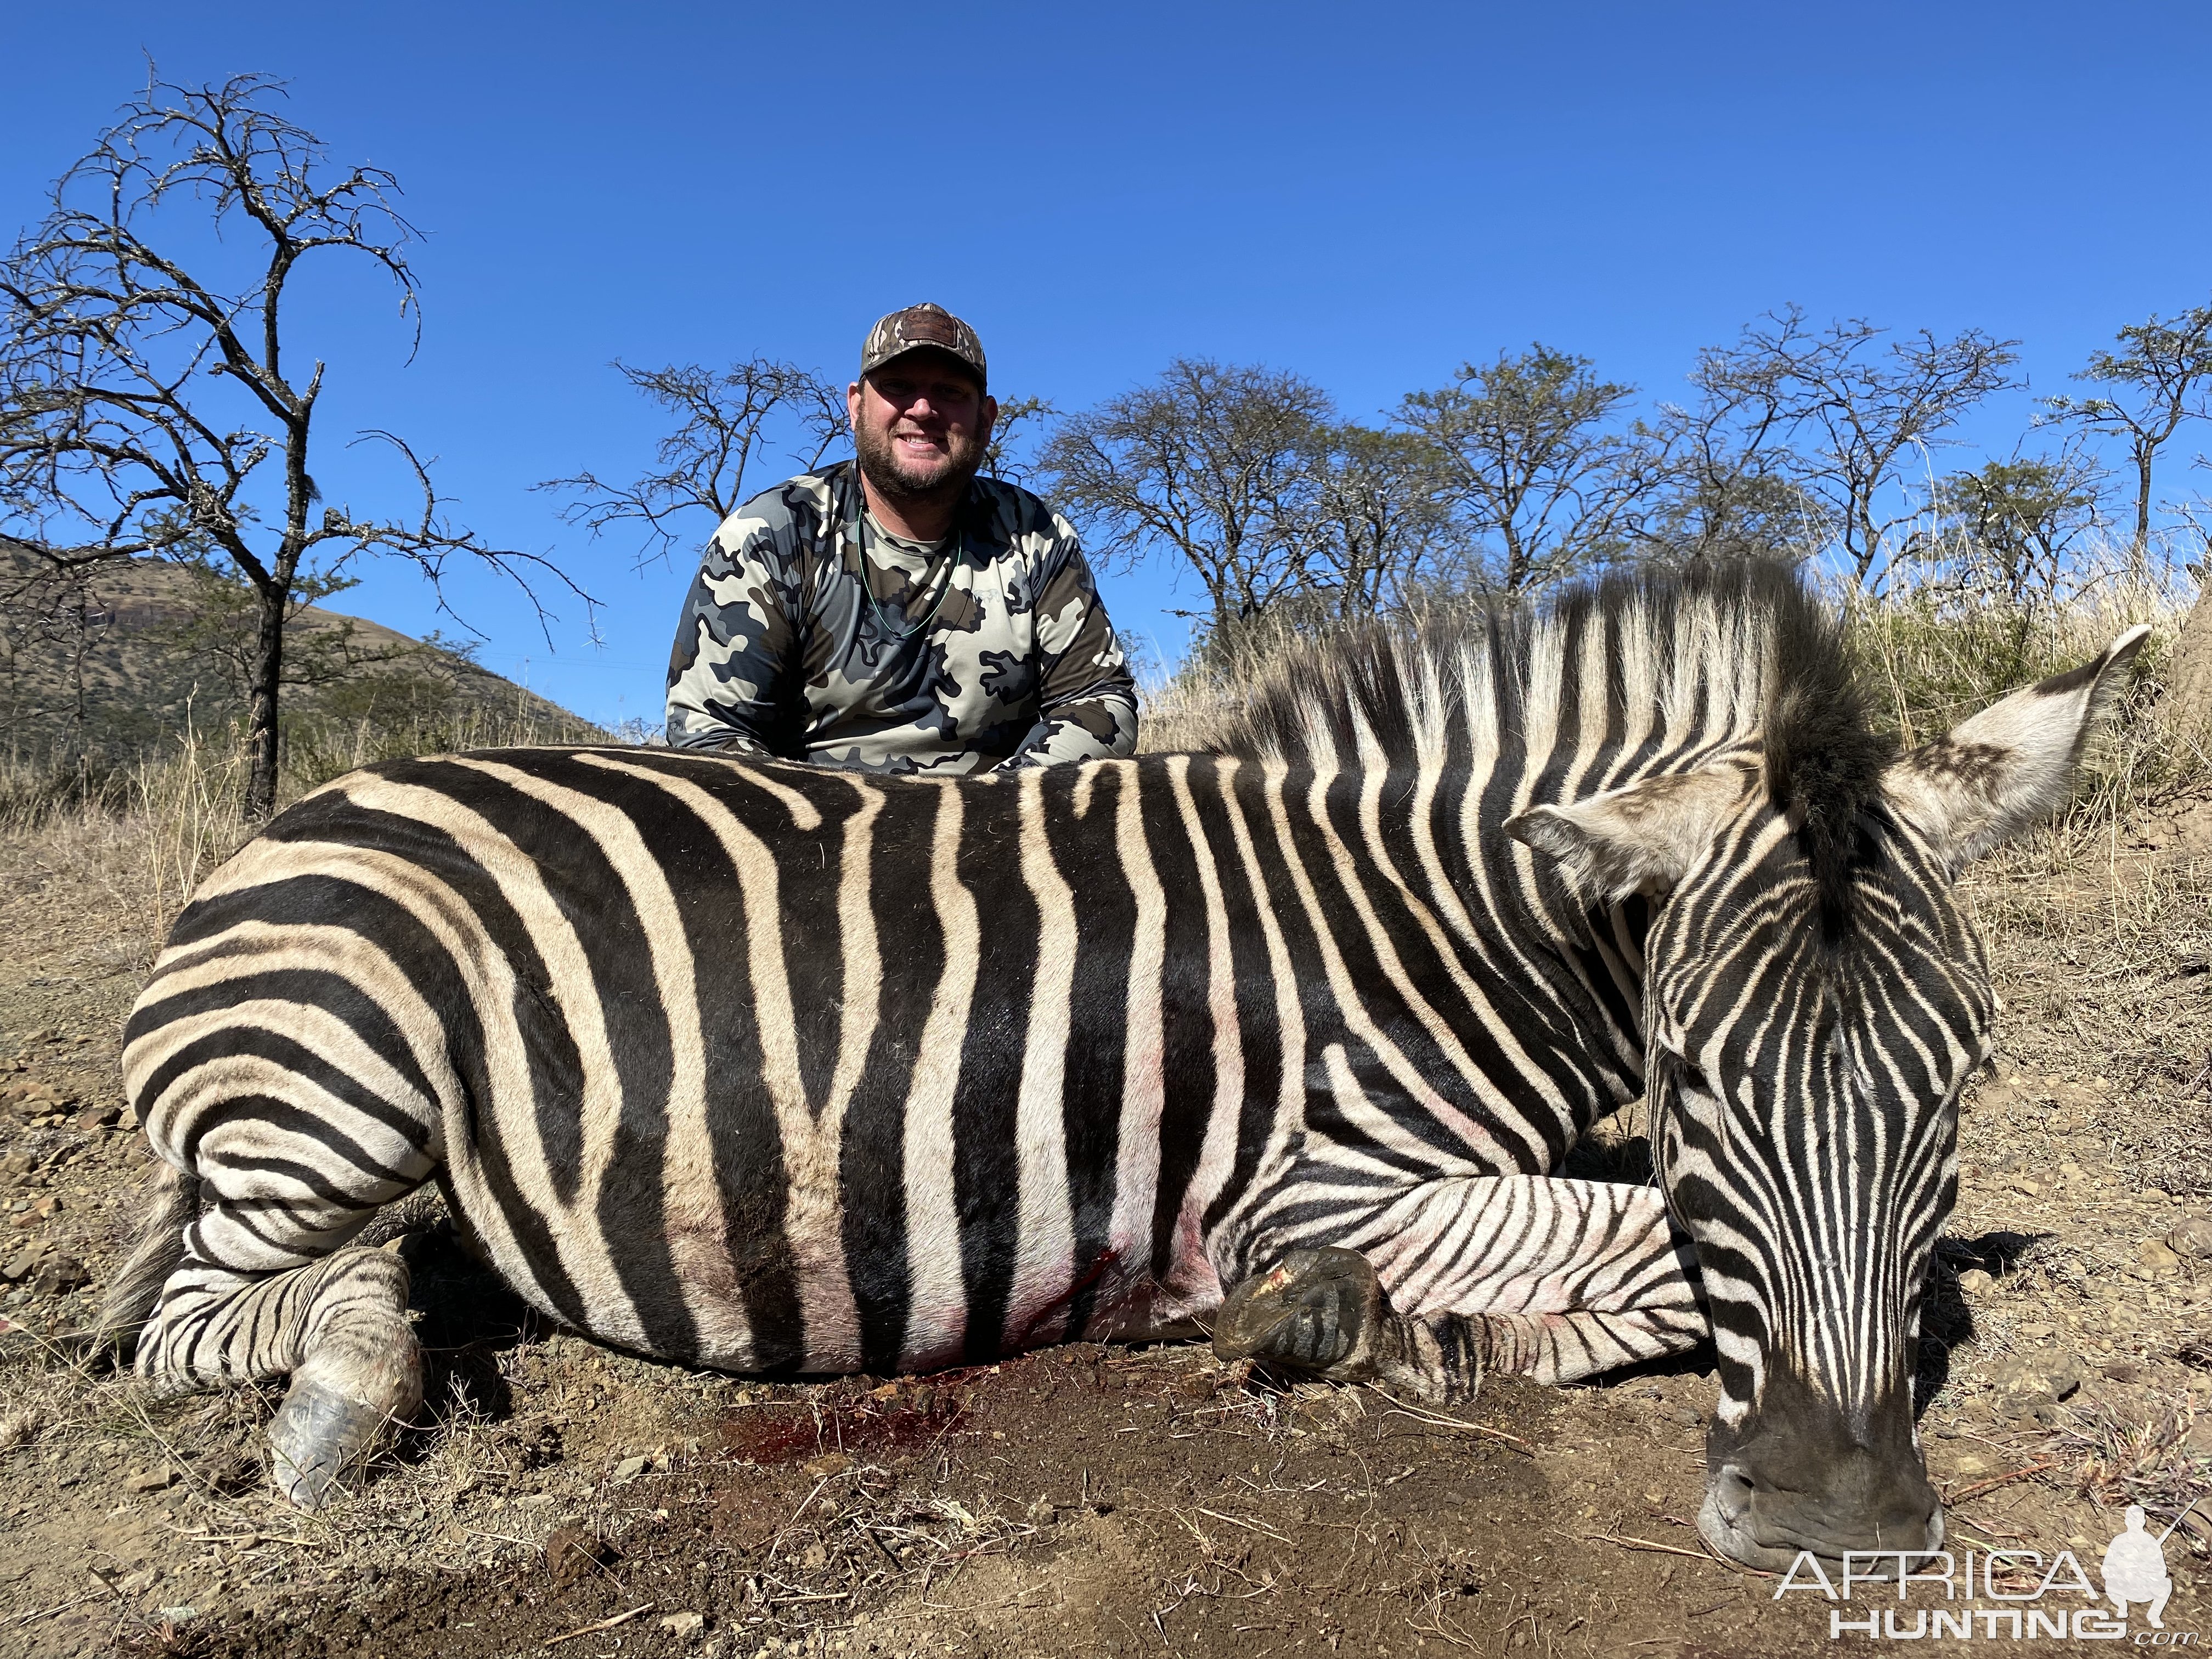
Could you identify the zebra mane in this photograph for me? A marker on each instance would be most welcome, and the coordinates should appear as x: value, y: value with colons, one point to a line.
x: 1719, y: 654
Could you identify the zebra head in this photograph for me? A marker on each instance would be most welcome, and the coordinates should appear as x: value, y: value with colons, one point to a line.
x: 1814, y: 1002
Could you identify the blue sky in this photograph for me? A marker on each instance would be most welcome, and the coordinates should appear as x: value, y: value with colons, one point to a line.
x: 1367, y: 195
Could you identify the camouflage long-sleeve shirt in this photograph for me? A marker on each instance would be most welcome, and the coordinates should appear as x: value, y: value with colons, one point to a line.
x: 1004, y: 659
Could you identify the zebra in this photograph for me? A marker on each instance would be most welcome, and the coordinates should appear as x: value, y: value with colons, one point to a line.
x: 784, y: 1071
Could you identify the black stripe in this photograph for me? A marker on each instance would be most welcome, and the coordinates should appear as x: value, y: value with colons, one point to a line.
x: 1259, y: 1030
x: 1097, y: 1037
x: 1187, y: 1073
x: 985, y: 1152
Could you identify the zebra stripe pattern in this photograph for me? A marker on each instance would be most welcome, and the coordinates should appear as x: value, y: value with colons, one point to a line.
x: 772, y: 1069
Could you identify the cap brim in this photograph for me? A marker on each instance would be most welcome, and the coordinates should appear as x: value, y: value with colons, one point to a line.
x: 920, y: 346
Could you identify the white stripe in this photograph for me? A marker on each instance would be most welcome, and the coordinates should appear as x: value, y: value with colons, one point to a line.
x: 937, y: 1306
x: 1044, y: 1260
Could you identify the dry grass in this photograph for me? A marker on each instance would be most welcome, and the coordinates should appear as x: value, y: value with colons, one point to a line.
x: 2144, y: 1458
x: 146, y: 835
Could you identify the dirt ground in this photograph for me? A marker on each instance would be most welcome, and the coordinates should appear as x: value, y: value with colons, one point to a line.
x: 563, y: 1497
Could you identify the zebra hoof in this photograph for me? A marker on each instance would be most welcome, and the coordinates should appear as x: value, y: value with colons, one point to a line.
x: 1318, y: 1311
x: 318, y: 1436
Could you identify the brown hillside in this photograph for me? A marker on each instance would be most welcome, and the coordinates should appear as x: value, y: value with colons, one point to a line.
x: 150, y: 651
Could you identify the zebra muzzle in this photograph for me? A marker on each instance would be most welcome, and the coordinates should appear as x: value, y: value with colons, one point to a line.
x: 1801, y: 1476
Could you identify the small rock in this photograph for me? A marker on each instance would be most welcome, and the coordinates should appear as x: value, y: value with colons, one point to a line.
x: 630, y: 1467
x: 61, y: 1275
x: 98, y: 1117
x: 827, y: 1464
x: 2122, y: 1371
x: 573, y: 1556
x: 179, y: 1615
x: 1682, y: 1414
x: 2032, y: 1376
x: 150, y: 1479
x: 683, y: 1626
x: 24, y: 1264
x: 2155, y: 1256
x: 2193, y: 1238
x: 1975, y: 1282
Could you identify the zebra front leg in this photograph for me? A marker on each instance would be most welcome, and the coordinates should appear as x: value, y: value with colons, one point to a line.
x: 338, y: 1326
x: 1324, y: 1312
x: 1534, y: 1276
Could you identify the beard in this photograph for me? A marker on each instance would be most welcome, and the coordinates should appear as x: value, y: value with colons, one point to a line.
x: 896, y: 483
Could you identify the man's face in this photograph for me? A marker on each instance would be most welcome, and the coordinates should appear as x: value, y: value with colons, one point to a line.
x: 920, y: 424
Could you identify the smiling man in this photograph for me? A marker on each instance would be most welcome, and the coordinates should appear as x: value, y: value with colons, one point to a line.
x: 895, y: 612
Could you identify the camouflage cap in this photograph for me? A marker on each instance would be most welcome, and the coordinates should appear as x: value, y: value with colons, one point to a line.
x: 917, y: 327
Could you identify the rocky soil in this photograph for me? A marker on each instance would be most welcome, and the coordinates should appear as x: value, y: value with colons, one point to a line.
x: 561, y: 1498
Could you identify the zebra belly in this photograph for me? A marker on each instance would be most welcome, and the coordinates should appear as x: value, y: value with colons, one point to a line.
x: 676, y: 1277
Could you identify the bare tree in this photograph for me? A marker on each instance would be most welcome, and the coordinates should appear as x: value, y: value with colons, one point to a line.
x: 1211, y: 463
x: 1011, y: 452
x: 145, y: 389
x: 1723, y: 485
x: 2161, y: 376
x: 1534, y: 475
x: 1852, y: 411
x: 1377, y: 515
x: 728, y: 418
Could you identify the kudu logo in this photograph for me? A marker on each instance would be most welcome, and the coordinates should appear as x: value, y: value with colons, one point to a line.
x: 2008, y: 1595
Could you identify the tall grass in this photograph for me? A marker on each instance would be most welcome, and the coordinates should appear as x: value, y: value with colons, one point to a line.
x: 148, y: 832
x: 1938, y: 657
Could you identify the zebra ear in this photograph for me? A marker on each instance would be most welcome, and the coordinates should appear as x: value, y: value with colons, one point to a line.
x: 2007, y: 768
x: 1642, y: 839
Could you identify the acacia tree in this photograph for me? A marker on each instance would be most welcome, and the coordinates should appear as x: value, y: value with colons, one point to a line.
x: 2009, y: 529
x: 1211, y: 462
x: 726, y: 418
x: 1841, y: 413
x: 1534, y: 471
x: 2161, y: 376
x: 152, y: 401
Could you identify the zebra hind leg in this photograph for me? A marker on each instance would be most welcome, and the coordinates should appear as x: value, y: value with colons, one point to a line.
x: 267, y: 1286
x: 338, y: 1326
